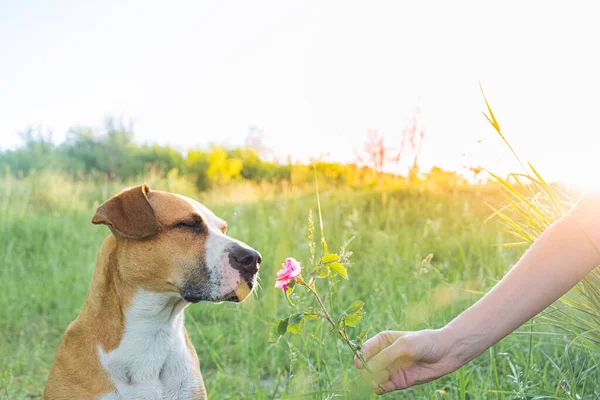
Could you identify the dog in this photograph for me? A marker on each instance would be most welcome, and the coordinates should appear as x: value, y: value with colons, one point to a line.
x: 129, y: 340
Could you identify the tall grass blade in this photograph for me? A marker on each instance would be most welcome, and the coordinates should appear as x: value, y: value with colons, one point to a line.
x: 531, y: 208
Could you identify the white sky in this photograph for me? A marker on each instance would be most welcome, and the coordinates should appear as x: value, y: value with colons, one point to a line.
x: 313, y: 75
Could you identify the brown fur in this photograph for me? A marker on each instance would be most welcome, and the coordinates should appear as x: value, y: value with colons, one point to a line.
x: 145, y: 251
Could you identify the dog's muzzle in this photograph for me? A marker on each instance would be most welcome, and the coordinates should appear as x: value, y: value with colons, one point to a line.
x: 241, y: 258
x: 246, y: 260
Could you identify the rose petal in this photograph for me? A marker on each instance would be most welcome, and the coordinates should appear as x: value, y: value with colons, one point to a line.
x: 281, y: 273
x: 280, y: 282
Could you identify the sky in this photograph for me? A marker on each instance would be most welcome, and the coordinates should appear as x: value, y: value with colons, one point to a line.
x: 314, y: 76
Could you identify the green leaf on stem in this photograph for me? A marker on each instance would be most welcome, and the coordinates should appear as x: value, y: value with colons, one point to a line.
x: 276, y: 330
x: 354, y: 314
x: 339, y: 269
x: 322, y: 271
x: 296, y: 323
x: 354, y: 307
x: 311, y: 314
x: 354, y: 319
x: 362, y: 334
x: 361, y: 338
x: 330, y: 258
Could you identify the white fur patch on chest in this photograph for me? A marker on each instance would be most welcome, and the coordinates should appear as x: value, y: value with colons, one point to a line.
x: 152, y: 360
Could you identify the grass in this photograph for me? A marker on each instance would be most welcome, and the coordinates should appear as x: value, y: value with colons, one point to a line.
x: 48, y: 248
x: 532, y: 206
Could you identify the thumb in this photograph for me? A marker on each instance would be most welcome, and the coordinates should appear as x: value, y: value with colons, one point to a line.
x: 401, y: 348
x: 376, y: 344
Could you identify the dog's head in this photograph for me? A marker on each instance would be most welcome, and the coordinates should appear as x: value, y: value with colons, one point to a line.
x: 167, y: 242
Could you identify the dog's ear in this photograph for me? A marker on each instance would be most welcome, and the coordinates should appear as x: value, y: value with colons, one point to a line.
x: 129, y: 214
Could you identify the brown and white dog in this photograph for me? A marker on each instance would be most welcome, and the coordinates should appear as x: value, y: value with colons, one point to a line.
x: 129, y: 342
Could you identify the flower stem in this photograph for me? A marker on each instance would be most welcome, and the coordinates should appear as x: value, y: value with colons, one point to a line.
x: 341, y: 332
x: 327, y: 316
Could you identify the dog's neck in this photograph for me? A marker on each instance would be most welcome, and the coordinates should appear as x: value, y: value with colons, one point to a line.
x: 141, y: 341
x: 150, y: 311
x: 111, y: 299
x: 152, y: 359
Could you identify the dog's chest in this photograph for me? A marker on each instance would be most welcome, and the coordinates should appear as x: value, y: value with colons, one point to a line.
x: 152, y: 360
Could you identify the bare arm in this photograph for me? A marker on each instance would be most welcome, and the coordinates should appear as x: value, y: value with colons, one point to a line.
x: 561, y: 257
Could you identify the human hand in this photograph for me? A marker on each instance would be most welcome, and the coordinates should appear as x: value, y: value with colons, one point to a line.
x: 399, y: 360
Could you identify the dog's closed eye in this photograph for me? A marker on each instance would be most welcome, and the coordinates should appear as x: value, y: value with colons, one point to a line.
x: 195, y: 223
x: 186, y: 224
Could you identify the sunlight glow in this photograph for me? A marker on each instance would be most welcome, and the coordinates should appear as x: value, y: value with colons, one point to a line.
x: 315, y: 76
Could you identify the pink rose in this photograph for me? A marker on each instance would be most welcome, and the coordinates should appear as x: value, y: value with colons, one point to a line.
x: 291, y: 269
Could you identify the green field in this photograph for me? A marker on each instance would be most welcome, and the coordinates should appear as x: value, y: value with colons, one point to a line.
x: 48, y: 248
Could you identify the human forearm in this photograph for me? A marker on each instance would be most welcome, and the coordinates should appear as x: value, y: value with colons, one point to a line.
x: 557, y: 261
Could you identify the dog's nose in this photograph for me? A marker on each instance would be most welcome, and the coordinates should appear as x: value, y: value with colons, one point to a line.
x: 245, y: 258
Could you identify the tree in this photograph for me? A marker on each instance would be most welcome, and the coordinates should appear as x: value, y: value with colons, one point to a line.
x: 375, y: 153
x: 114, y: 153
x: 411, y: 141
x: 222, y: 169
x: 37, y: 153
x: 197, y: 167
